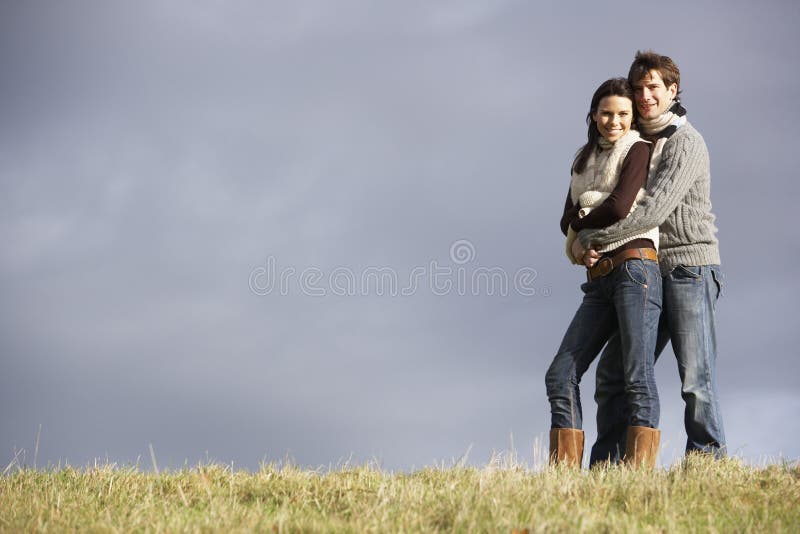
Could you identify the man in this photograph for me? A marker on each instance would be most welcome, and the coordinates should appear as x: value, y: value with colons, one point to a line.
x: 678, y: 202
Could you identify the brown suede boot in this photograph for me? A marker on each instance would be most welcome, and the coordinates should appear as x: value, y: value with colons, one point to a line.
x: 566, y: 446
x: 641, y: 449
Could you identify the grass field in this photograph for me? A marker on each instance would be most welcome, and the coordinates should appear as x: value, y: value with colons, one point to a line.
x: 696, y: 496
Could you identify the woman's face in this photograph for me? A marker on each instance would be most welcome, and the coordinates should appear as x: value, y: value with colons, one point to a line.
x: 613, y: 117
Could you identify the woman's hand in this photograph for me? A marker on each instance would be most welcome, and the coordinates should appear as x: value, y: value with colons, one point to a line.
x: 578, y: 252
x: 587, y: 257
x: 590, y: 257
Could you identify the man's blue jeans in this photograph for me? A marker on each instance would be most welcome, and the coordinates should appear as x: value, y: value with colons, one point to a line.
x: 690, y: 296
x: 627, y: 300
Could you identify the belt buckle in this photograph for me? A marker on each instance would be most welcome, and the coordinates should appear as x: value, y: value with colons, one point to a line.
x: 603, y: 267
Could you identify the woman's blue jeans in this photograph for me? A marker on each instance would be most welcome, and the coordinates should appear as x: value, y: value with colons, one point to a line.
x: 690, y: 296
x: 627, y: 300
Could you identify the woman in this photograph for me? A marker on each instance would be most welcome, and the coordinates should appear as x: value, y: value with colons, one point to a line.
x: 623, y: 288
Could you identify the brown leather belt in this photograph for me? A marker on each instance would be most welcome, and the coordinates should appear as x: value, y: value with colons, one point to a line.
x: 606, y: 264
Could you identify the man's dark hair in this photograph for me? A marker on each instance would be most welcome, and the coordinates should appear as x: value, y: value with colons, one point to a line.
x: 649, y: 60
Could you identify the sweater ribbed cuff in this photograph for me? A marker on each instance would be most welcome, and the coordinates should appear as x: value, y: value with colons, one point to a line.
x: 651, y: 234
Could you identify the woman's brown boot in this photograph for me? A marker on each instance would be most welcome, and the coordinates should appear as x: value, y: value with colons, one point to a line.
x: 642, y: 446
x: 566, y: 446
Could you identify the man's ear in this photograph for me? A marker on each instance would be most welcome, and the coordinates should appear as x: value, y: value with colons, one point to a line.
x: 673, y: 90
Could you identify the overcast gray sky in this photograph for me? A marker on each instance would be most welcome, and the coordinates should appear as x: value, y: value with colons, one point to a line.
x: 162, y: 163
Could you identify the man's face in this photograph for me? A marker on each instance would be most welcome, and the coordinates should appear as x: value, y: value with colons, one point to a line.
x: 653, y: 97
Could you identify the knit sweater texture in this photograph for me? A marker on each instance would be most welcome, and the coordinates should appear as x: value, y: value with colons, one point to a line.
x: 678, y: 201
x: 597, y: 180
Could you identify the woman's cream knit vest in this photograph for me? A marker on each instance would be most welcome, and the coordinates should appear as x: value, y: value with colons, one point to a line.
x: 600, y: 177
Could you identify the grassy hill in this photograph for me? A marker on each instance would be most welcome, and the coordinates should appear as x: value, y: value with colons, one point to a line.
x: 696, y: 496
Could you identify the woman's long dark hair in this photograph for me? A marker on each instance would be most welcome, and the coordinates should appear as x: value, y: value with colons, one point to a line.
x: 612, y: 87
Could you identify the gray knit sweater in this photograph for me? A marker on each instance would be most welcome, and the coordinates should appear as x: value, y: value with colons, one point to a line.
x: 678, y: 201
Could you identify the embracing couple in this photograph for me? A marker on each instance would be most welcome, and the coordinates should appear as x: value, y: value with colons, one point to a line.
x: 638, y: 217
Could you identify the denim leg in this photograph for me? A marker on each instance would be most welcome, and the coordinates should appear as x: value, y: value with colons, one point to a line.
x: 641, y: 309
x: 585, y: 336
x: 637, y: 298
x: 612, y: 408
x: 690, y: 295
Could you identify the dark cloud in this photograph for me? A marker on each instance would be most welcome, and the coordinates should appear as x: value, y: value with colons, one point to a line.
x: 152, y: 156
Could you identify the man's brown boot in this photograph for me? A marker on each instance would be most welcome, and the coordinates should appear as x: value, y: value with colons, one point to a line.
x: 642, y: 446
x: 566, y: 446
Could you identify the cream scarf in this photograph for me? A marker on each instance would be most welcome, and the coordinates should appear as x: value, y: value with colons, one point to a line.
x: 651, y: 127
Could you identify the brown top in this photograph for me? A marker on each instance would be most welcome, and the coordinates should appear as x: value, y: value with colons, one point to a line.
x: 617, y: 205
